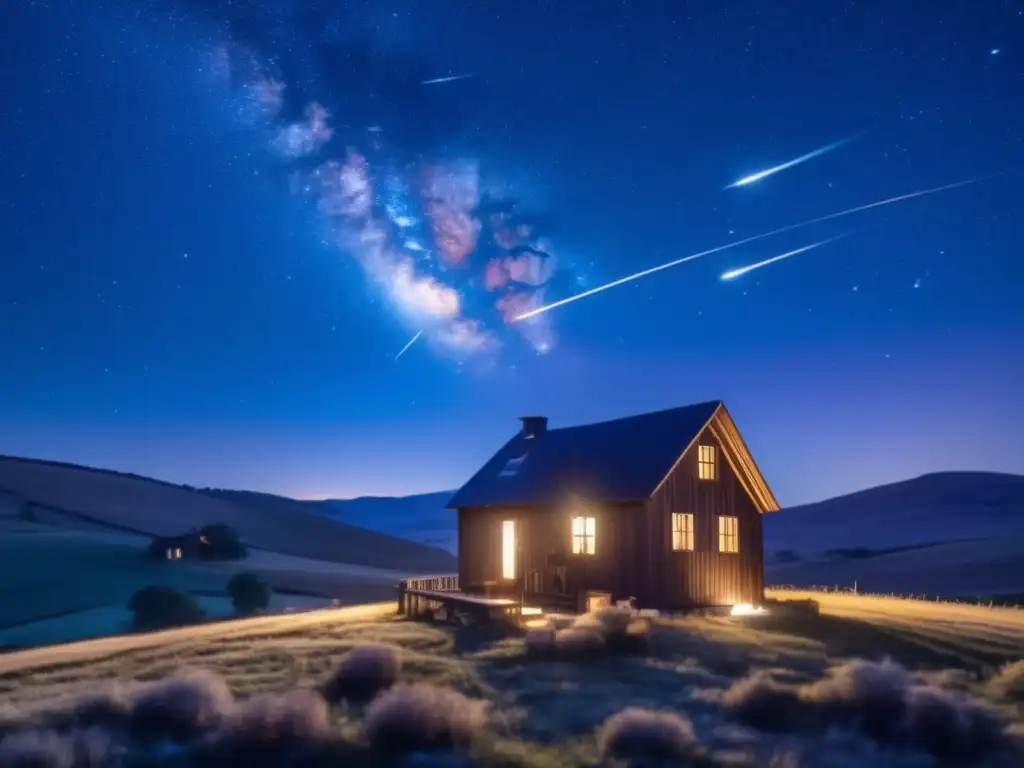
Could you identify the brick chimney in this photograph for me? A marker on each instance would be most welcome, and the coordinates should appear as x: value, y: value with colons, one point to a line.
x: 534, y: 426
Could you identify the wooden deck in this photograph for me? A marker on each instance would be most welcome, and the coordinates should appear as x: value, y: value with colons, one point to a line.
x: 427, y: 595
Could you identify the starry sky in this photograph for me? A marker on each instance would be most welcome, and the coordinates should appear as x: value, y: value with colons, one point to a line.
x: 221, y: 224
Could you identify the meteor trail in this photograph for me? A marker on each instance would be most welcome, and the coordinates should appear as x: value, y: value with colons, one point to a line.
x: 411, y: 342
x: 734, y: 273
x: 744, y: 241
x: 449, y: 79
x: 755, y: 177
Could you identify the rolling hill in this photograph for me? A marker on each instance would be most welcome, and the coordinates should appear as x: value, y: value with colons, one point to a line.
x: 68, y: 495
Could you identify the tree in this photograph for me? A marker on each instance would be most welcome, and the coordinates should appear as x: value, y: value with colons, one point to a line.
x: 248, y: 592
x: 159, y: 607
x: 221, y: 542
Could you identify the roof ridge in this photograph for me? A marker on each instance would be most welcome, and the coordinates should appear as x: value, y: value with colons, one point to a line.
x: 618, y: 419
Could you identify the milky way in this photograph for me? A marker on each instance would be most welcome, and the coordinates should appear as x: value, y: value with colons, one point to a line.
x: 361, y: 135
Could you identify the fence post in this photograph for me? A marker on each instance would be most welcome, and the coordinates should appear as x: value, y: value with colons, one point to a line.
x: 401, y: 596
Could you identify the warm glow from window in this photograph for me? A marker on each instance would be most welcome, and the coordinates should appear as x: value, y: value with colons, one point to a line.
x: 728, y: 534
x: 583, y: 535
x: 706, y: 462
x: 682, y: 531
x: 508, y: 549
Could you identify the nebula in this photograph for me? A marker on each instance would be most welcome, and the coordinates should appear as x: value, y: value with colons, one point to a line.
x: 455, y: 257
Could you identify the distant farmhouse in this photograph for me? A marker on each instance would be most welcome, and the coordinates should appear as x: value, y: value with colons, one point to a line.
x: 662, y: 507
x: 211, y: 542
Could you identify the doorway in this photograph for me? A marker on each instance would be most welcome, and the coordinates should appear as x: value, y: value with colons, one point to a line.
x: 508, y: 550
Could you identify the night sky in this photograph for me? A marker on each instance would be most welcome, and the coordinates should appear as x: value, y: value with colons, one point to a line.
x: 220, y: 223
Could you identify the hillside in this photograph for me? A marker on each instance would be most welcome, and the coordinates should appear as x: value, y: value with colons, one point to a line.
x: 948, y: 506
x: 795, y: 687
x: 68, y: 495
x: 421, y: 518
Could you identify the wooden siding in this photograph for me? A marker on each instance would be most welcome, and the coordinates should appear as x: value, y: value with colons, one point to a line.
x: 679, y: 580
x: 545, y: 548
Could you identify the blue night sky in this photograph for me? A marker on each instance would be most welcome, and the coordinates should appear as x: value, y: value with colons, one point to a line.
x: 218, y: 228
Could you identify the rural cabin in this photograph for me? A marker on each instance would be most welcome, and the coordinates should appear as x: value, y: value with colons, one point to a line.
x: 663, y: 507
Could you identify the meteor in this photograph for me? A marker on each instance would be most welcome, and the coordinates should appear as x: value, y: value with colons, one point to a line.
x: 411, y: 342
x: 734, y: 273
x: 449, y: 79
x: 744, y: 241
x: 755, y: 177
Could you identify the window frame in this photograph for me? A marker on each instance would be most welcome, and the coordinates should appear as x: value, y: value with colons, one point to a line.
x: 726, y: 536
x: 683, y: 534
x: 587, y: 535
x: 707, y: 462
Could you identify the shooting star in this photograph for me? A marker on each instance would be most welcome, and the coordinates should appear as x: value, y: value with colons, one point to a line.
x: 751, y: 239
x: 755, y: 177
x: 734, y: 273
x: 449, y: 79
x: 411, y: 342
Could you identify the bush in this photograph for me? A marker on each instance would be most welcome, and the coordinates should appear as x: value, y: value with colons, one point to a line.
x: 363, y: 673
x: 649, y: 734
x: 180, y: 707
x: 418, y: 716
x: 248, y: 592
x: 272, y: 729
x: 160, y: 607
x: 43, y: 749
x: 222, y: 542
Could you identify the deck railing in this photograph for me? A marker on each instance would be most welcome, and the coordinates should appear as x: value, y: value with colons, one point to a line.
x: 448, y: 582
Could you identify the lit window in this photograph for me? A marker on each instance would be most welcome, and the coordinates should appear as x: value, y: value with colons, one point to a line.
x: 512, y: 466
x: 706, y: 462
x: 682, y: 532
x: 583, y: 530
x: 728, y: 534
x: 508, y: 549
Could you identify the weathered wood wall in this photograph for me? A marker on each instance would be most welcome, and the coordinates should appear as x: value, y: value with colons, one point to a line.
x: 705, y: 576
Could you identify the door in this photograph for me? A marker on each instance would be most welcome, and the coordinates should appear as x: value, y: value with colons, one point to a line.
x: 509, y: 550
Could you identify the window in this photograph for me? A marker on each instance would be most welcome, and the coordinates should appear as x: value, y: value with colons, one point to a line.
x: 508, y: 549
x: 512, y: 466
x: 728, y: 534
x: 682, y: 532
x: 706, y: 462
x: 583, y: 530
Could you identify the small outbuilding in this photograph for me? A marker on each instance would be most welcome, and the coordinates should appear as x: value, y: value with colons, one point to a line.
x: 664, y: 508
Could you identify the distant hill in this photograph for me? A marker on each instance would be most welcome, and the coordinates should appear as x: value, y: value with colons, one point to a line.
x: 942, y: 507
x: 73, y: 496
x: 421, y: 518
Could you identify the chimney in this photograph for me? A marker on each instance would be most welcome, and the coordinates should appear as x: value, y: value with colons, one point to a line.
x: 534, y: 426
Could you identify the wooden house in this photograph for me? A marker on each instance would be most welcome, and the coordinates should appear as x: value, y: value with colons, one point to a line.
x: 664, y: 508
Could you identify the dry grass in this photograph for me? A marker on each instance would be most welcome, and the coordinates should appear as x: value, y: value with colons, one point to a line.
x: 789, y: 690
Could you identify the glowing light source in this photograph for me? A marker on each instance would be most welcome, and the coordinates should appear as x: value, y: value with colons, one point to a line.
x: 508, y: 549
x: 746, y: 609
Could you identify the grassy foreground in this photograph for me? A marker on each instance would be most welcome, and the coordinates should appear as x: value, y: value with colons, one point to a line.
x: 866, y: 681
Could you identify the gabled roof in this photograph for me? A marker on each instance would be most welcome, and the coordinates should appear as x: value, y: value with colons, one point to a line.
x: 620, y: 460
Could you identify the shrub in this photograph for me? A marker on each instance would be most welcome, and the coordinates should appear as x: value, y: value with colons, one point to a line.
x: 363, y: 673
x: 419, y: 716
x: 105, y: 708
x: 45, y: 749
x: 649, y: 734
x: 763, y: 703
x: 248, y: 592
x: 881, y: 700
x: 272, y: 729
x: 222, y: 542
x: 180, y: 707
x: 1008, y: 683
x: 160, y: 607
x: 579, y: 642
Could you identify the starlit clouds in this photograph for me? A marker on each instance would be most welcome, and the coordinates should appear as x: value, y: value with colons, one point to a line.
x: 426, y: 234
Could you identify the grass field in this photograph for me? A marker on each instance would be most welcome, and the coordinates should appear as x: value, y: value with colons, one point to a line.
x: 781, y: 690
x: 60, y: 585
